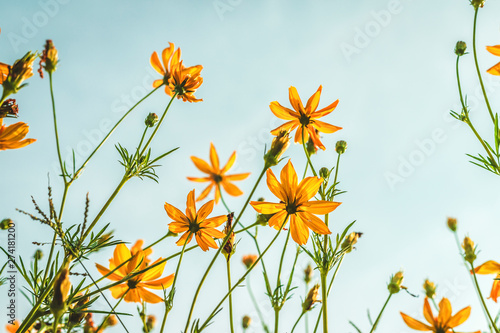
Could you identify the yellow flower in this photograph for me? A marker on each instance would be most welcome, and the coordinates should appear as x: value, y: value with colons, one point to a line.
x: 11, y: 137
x: 177, y: 79
x: 138, y: 247
x: 304, y: 117
x: 135, y: 289
x: 443, y: 323
x: 294, y: 202
x: 196, y: 223
x: 21, y: 70
x: 491, y: 267
x: 217, y: 176
x: 495, y: 50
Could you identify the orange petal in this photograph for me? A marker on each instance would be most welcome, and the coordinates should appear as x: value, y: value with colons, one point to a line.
x: 229, y: 163
x: 190, y: 206
x: 132, y: 296
x: 299, y: 232
x: 289, y: 180
x: 148, y: 296
x: 201, y: 243
x: 205, y: 192
x: 167, y: 53
x: 325, y: 127
x: 314, y: 223
x: 155, y: 272
x: 155, y: 62
x: 294, y: 97
x: 213, y: 222
x: 313, y: 101
x: 175, y: 214
x: 495, y: 289
x: 444, y: 310
x: 217, y: 194
x: 207, y: 239
x: 495, y: 70
x: 118, y: 291
x: 231, y: 189
x: 274, y: 185
x: 308, y: 188
x: 214, y: 233
x: 205, y: 210
x: 288, y: 126
x: 162, y: 283
x: 202, y: 165
x: 157, y: 83
x: 415, y: 324
x: 459, y: 318
x: 495, y: 50
x: 120, y: 255
x: 319, y: 207
x: 214, y: 158
x: 429, y: 316
x: 238, y: 176
x: 178, y: 227
x: 277, y: 220
x: 267, y: 207
x: 200, y: 179
x: 325, y: 111
x: 183, y: 238
x: 282, y: 112
x: 489, y: 267
x: 113, y: 276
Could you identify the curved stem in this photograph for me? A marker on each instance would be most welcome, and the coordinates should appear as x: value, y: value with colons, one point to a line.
x: 477, y: 66
x: 380, y: 314
x: 476, y: 284
x: 230, y: 295
x: 256, y: 306
x: 298, y: 319
x: 63, y: 174
x: 80, y: 169
x: 220, y: 249
x: 277, y: 307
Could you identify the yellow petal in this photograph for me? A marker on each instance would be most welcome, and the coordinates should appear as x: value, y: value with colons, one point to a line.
x: 167, y: 53
x: 325, y: 111
x: 213, y: 222
x: 444, y: 310
x: 175, y: 214
x: 162, y: 283
x: 267, y: 207
x: 155, y: 62
x: 495, y: 289
x: 295, y: 100
x: 415, y: 324
x: 231, y: 189
x: 205, y: 192
x: 319, y: 207
x: 282, y: 112
x: 289, y: 180
x: 429, y: 316
x: 118, y: 291
x: 314, y: 223
x: 113, y: 276
x: 205, y: 210
x: 120, y: 255
x: 214, y: 233
x: 277, y: 220
x: 201, y: 243
x: 229, y: 163
x: 178, y: 227
x: 325, y: 127
x: 132, y: 296
x: 200, y: 179
x: 308, y: 188
x: 202, y: 165
x: 299, y: 232
x: 495, y: 50
x: 495, y: 70
x: 459, y: 318
x: 489, y: 267
x: 148, y: 296
x: 238, y: 176
x: 214, y: 158
x: 313, y: 101
x: 183, y: 238
x: 190, y: 206
x: 155, y: 272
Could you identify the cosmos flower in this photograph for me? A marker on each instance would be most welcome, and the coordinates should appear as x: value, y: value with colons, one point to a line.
x: 295, y: 202
x: 491, y: 267
x: 304, y: 117
x: 495, y: 50
x: 11, y: 137
x: 217, y: 176
x: 195, y: 223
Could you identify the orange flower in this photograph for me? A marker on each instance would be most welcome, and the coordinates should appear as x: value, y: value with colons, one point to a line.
x: 195, y: 223
x: 217, y: 176
x: 495, y: 50
x: 135, y: 289
x: 177, y: 79
x: 4, y: 71
x: 304, y: 117
x: 11, y: 137
x: 491, y: 267
x: 13, y: 328
x: 294, y: 202
x: 249, y: 259
x: 138, y: 247
x: 443, y: 323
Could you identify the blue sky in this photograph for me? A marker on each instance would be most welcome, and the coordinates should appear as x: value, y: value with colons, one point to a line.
x: 391, y: 65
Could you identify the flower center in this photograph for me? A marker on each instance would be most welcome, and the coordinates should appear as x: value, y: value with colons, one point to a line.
x: 304, y: 120
x: 217, y: 178
x: 291, y: 208
x: 194, y: 227
x: 132, y: 284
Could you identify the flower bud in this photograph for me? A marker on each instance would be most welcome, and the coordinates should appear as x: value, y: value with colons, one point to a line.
x: 340, y: 147
x: 477, y: 3
x: 229, y: 247
x: 469, y: 250
x: 324, y: 173
x: 5, y: 224
x: 394, y: 285
x: 150, y: 322
x: 246, y: 321
x: 89, y: 326
x: 9, y: 108
x: 38, y: 254
x: 452, y: 223
x: 62, y: 286
x: 151, y: 120
x: 20, y: 71
x: 430, y: 288
x: 311, y: 147
x: 76, y: 316
x: 350, y: 240
x: 48, y: 59
x: 249, y: 259
x: 311, y: 299
x: 278, y: 146
x: 111, y: 321
x: 308, y: 273
x: 460, y: 48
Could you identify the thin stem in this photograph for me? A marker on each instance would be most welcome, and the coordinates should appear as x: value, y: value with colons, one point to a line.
x: 77, y: 173
x: 298, y: 319
x: 228, y: 265
x: 380, y: 314
x: 476, y: 284
x: 220, y: 249
x: 172, y: 289
x: 256, y: 306
x: 276, y: 320
x: 112, y: 311
x: 324, y: 297
x: 477, y: 67
x: 222, y: 199
x: 307, y: 154
x: 277, y: 307
x: 55, y: 128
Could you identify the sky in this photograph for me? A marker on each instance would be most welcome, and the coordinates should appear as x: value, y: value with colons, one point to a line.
x: 390, y: 64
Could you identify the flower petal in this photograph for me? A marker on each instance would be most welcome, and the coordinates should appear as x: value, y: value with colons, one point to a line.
x: 118, y: 291
x: 205, y: 192
x: 495, y: 50
x: 175, y: 214
x: 162, y: 283
x: 319, y: 207
x: 113, y: 276
x: 495, y: 289
x: 148, y: 296
x: 314, y: 223
x: 202, y: 165
x: 289, y: 126
x: 415, y: 324
x: 313, y: 101
x: 213, y: 222
x: 495, y: 70
x: 182, y: 240
x: 489, y: 267
x: 294, y: 97
x: 267, y: 207
x: 205, y: 210
x: 178, y: 227
x: 459, y: 318
x: 231, y: 189
x: 229, y: 163
x: 274, y: 185
x: 308, y: 188
x: 429, y: 316
x: 277, y: 220
x: 289, y: 180
x: 325, y: 127
x: 282, y: 112
x: 299, y: 232
x: 120, y: 255
x: 444, y: 310
x: 238, y: 176
x: 155, y: 62
x: 325, y: 111
x: 190, y: 206
x: 200, y: 179
x: 154, y: 272
x: 214, y: 159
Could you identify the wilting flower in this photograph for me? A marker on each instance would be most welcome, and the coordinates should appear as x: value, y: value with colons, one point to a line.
x: 495, y: 50
x: 48, y: 59
x: 230, y: 246
x: 249, y: 259
x: 135, y: 289
x: 304, y: 118
x: 11, y: 137
x: 294, y: 203
x: 62, y: 286
x: 491, y: 267
x: 443, y: 323
x: 9, y: 108
x: 195, y: 223
x: 177, y: 79
x: 21, y: 70
x: 217, y: 176
x: 311, y: 299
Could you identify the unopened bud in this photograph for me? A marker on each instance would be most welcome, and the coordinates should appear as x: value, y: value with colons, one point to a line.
x: 150, y: 322
x: 5, y: 224
x: 249, y: 259
x: 350, y: 240
x: 229, y: 247
x: 430, y: 288
x: 311, y: 299
x: 394, y: 285
x: 62, y: 286
x: 246, y: 321
x: 38, y: 254
x: 111, y: 321
x: 278, y: 146
x: 324, y: 173
x: 308, y: 273
x: 20, y: 71
x: 311, y: 147
x: 469, y: 250
x: 460, y: 48
x: 151, y: 120
x: 340, y: 147
x: 452, y: 224
x: 477, y: 3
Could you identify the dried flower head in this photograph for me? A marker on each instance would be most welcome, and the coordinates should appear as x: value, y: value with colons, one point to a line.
x: 350, y: 240
x: 62, y: 286
x: 48, y: 59
x: 9, y: 109
x: 229, y: 247
x: 280, y: 143
x: 311, y: 299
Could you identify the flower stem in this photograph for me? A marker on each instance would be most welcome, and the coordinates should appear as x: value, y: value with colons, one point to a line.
x: 476, y: 284
x: 380, y: 314
x: 298, y: 319
x: 477, y: 66
x: 172, y: 289
x: 63, y: 174
x: 220, y: 249
x: 80, y: 169
x: 228, y: 265
x: 222, y: 199
x: 256, y: 306
x: 324, y: 297
x: 112, y: 311
x: 277, y: 307
x: 307, y: 154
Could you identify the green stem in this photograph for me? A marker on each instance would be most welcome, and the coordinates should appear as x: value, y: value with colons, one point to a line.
x: 298, y: 319
x: 77, y: 173
x: 324, y: 297
x: 172, y: 289
x: 277, y: 307
x: 112, y: 311
x: 220, y: 249
x: 55, y: 128
x: 256, y: 306
x: 276, y: 320
x: 222, y: 199
x: 230, y: 295
x: 380, y: 314
x: 477, y: 67
x: 476, y: 284
x: 307, y: 153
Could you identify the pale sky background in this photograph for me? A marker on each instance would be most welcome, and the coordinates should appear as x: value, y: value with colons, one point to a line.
x: 395, y: 86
